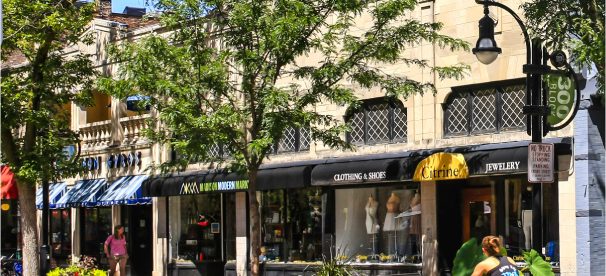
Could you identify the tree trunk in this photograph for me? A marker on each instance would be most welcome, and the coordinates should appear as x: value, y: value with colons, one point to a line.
x: 29, y: 228
x: 255, y: 220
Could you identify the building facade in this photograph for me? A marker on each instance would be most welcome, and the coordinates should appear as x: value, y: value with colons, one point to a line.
x: 429, y: 172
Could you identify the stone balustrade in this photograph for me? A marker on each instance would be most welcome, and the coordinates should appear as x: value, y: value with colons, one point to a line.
x: 100, y: 135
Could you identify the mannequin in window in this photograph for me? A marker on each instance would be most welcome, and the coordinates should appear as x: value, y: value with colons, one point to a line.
x: 393, y: 206
x: 372, y: 227
x: 526, y: 198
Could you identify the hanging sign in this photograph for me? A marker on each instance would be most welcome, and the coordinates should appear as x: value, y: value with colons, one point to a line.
x: 442, y: 166
x: 540, y: 162
x: 561, y: 98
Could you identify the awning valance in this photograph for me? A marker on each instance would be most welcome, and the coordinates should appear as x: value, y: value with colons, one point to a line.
x: 204, y: 182
x: 9, y: 185
x: 55, y: 192
x: 363, y: 171
x: 85, y: 193
x: 125, y: 191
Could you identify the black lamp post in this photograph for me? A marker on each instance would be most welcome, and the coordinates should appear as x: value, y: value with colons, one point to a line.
x: 536, y: 110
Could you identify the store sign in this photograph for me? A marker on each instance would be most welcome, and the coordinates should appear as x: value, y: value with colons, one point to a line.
x: 561, y: 98
x: 192, y: 188
x: 442, y: 166
x: 380, y: 175
x: 540, y: 162
x: 502, y: 167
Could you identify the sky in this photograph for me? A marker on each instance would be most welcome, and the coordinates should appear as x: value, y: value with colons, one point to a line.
x: 118, y: 5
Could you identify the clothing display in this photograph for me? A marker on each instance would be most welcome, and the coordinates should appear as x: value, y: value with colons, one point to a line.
x: 527, y: 227
x: 372, y: 227
x: 393, y: 206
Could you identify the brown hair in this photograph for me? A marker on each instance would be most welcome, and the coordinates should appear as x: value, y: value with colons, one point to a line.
x: 116, y: 234
x: 492, y: 245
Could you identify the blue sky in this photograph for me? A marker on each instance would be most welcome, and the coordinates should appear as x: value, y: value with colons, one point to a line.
x: 118, y: 5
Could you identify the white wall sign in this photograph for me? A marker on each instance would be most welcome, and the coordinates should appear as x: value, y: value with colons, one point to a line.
x: 540, y: 163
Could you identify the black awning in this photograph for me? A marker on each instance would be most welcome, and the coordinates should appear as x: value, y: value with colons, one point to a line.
x: 284, y: 178
x: 208, y: 182
x: 513, y: 160
x: 500, y: 161
x: 358, y: 172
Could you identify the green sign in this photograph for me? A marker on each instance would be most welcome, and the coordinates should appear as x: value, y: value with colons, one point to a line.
x: 561, y: 93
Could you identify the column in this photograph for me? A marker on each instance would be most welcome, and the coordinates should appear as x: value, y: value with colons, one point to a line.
x: 75, y: 232
x: 429, y: 228
x: 159, y: 238
x: 241, y: 234
x: 567, y: 225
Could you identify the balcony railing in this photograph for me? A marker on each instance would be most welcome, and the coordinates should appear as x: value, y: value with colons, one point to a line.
x: 103, y: 134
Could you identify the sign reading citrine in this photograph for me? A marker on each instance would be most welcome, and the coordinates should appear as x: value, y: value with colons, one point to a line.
x: 442, y: 166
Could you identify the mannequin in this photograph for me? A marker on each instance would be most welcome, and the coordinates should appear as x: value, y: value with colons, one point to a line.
x: 415, y: 210
x: 527, y: 216
x: 393, y: 206
x: 371, y: 216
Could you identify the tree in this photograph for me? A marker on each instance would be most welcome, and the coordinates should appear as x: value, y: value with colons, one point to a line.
x: 577, y: 25
x: 35, y: 129
x: 235, y: 74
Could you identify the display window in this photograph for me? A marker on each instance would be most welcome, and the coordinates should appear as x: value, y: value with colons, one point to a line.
x: 205, y: 221
x: 61, y: 240
x: 291, y: 225
x: 378, y: 224
x: 97, y: 227
x: 11, y: 230
x: 519, y: 222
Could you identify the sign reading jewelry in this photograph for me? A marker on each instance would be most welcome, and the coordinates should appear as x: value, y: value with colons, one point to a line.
x: 441, y: 166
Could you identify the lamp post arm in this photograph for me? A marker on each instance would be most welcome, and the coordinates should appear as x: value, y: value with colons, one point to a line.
x: 517, y: 19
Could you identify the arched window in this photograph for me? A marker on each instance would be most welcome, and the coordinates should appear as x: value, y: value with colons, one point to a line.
x: 485, y: 109
x: 377, y: 121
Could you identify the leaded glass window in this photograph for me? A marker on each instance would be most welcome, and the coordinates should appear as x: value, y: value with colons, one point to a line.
x: 486, y: 109
x: 377, y: 121
x: 293, y: 140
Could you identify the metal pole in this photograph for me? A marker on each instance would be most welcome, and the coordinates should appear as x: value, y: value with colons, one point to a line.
x: 44, y: 248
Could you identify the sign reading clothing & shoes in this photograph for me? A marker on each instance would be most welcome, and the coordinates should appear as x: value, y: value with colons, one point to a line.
x: 540, y: 162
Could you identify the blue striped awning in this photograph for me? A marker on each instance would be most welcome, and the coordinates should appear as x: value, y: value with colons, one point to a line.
x: 55, y: 192
x: 85, y: 193
x: 125, y: 191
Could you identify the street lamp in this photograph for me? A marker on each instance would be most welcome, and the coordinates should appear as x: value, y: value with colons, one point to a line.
x: 486, y: 49
x: 537, y: 103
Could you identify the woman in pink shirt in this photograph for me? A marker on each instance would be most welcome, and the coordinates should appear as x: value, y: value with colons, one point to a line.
x: 115, y: 250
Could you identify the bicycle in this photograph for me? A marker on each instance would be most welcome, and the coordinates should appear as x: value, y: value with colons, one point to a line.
x: 10, y: 266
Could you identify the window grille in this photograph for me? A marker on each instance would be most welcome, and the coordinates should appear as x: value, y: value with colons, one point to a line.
x: 490, y: 109
x: 293, y: 140
x: 378, y: 121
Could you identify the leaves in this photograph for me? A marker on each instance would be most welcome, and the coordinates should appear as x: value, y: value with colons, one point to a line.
x: 536, y: 264
x: 575, y: 25
x: 467, y: 257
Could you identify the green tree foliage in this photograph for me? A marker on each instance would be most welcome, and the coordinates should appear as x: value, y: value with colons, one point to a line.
x: 35, y: 128
x: 235, y: 73
x: 577, y: 25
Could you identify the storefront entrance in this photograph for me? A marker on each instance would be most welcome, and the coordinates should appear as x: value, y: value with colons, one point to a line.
x: 137, y: 221
x: 478, y: 213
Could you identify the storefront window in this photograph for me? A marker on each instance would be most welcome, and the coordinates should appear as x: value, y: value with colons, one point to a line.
x: 201, y: 227
x: 291, y: 225
x: 378, y: 224
x: 519, y: 218
x: 61, y: 240
x: 11, y: 232
x: 97, y: 227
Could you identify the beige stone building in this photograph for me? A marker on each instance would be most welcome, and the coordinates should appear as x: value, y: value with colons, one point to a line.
x: 428, y: 173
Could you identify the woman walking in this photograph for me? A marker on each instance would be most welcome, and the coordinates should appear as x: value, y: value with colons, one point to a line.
x: 115, y: 250
x: 496, y: 264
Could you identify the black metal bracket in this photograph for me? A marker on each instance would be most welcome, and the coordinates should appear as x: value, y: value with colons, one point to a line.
x: 535, y: 110
x: 535, y: 69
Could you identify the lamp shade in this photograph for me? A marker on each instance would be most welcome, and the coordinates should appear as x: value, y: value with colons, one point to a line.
x: 486, y: 49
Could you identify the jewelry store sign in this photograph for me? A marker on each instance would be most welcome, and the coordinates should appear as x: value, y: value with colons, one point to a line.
x: 540, y: 163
